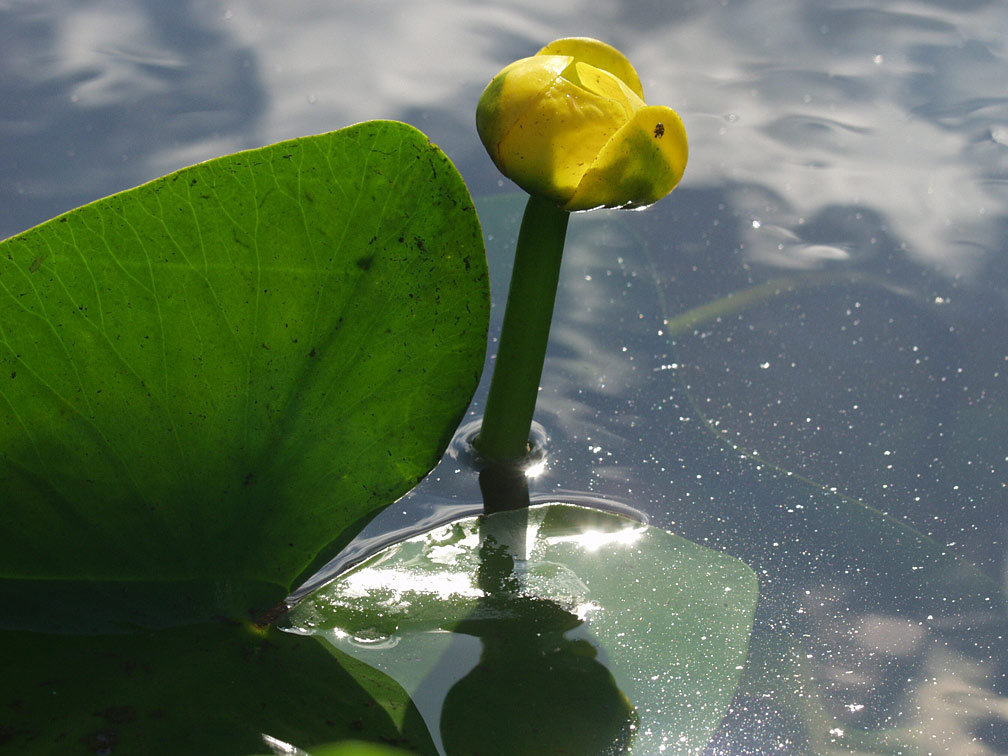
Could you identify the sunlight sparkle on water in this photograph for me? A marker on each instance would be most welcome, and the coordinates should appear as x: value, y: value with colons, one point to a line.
x: 281, y: 747
x: 537, y: 468
x: 443, y: 584
x: 594, y: 540
x: 585, y: 609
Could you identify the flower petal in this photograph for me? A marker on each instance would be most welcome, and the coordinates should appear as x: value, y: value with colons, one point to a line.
x: 641, y: 163
x: 511, y: 92
x: 553, y: 143
x: 600, y: 55
x: 605, y: 85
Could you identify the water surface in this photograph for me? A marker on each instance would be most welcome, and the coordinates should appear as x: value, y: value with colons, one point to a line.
x: 845, y: 208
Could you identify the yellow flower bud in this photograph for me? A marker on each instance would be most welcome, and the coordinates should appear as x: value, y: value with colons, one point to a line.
x: 570, y: 124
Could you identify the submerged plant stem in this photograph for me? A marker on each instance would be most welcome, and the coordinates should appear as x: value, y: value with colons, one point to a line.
x: 518, y: 368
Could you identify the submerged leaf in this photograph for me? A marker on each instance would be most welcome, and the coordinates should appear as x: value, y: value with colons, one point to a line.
x: 211, y: 688
x: 558, y: 629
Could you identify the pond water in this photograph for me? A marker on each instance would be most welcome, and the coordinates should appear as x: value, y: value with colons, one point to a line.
x: 800, y: 358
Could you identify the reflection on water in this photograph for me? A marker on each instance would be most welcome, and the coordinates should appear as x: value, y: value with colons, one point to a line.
x: 845, y: 210
x: 100, y: 96
x: 534, y: 691
x: 533, y: 632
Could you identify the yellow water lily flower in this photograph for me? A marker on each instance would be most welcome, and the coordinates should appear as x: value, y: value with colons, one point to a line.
x: 570, y: 124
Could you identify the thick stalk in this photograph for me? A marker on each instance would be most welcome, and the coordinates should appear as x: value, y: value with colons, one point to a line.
x: 514, y: 386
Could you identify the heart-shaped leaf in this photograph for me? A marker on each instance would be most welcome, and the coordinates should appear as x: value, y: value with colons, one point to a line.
x: 209, y: 381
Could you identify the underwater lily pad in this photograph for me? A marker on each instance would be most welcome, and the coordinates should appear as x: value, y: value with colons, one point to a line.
x: 212, y: 688
x: 558, y: 629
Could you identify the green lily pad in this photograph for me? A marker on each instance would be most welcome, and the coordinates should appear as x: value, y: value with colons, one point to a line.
x: 209, y: 382
x: 211, y: 688
x: 558, y: 629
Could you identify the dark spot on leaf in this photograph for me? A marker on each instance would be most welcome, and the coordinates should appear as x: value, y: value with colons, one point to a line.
x: 420, y: 244
x: 364, y: 263
x: 659, y: 130
x: 249, y: 480
x: 193, y: 182
x: 466, y: 261
x: 312, y: 352
x: 13, y: 375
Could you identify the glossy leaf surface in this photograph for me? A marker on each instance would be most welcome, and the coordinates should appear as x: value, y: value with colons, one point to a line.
x: 210, y: 380
x: 557, y: 630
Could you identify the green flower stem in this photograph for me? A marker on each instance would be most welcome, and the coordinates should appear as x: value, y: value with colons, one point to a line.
x: 514, y: 386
